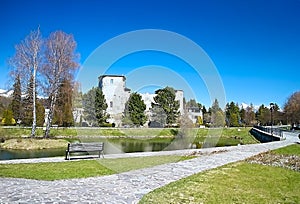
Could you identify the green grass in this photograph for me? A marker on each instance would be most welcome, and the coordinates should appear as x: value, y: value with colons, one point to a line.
x: 128, y: 164
x: 73, y: 132
x: 288, y: 150
x: 234, y: 183
x: 18, y: 132
x: 224, y: 137
x: 82, y: 168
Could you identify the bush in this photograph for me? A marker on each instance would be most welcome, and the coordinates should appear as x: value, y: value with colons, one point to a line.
x: 8, y: 118
x: 106, y: 125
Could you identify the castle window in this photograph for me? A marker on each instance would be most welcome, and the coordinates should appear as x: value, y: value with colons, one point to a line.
x: 111, y: 104
x: 111, y: 81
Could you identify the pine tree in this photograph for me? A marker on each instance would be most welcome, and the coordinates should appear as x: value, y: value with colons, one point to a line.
x: 263, y: 115
x: 136, y: 109
x: 217, y: 115
x: 100, y: 107
x: 88, y: 104
x: 63, y: 115
x: 16, y: 104
x: 232, y: 113
x: 165, y: 99
x: 27, y: 118
x: 40, y: 113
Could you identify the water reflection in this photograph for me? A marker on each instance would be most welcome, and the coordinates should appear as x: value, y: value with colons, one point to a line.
x: 111, y: 146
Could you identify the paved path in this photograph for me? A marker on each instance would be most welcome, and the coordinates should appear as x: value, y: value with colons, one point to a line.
x: 126, y: 187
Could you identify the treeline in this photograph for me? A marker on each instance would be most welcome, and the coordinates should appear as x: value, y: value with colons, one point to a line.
x: 44, y: 66
x: 271, y: 114
x: 165, y: 111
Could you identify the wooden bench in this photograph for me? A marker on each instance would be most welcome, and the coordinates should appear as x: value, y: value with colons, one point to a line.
x: 85, y: 147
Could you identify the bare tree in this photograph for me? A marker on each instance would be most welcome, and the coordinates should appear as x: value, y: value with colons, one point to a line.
x: 292, y: 108
x: 60, y: 65
x: 26, y: 62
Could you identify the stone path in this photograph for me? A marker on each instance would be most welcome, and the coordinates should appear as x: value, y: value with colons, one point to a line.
x: 126, y: 187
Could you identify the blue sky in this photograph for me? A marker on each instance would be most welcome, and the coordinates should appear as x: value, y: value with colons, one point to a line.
x: 254, y: 44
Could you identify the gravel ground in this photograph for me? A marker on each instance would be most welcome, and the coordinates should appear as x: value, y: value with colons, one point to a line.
x: 268, y: 158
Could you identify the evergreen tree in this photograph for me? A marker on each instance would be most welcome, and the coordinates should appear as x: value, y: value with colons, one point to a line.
x: 206, y: 116
x: 263, y: 115
x: 136, y: 109
x: 40, y: 114
x: 88, y: 104
x: 217, y: 115
x: 1, y: 108
x: 16, y: 104
x: 191, y: 104
x: 63, y: 115
x: 27, y: 103
x: 158, y: 115
x: 165, y: 99
x: 100, y: 107
x: 27, y: 118
x: 232, y: 114
x: 242, y: 115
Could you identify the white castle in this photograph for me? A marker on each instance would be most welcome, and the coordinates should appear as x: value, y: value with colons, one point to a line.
x: 117, y: 94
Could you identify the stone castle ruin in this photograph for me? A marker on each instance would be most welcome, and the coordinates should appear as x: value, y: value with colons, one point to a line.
x: 117, y: 94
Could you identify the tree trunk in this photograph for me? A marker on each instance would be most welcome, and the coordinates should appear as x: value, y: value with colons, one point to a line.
x: 34, y: 105
x: 50, y: 115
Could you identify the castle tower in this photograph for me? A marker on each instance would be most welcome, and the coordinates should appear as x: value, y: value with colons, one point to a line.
x: 116, y: 95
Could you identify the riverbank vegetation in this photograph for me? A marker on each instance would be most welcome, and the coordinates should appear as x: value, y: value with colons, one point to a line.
x: 33, y: 144
x: 199, y: 138
x: 15, y: 132
x: 245, y: 182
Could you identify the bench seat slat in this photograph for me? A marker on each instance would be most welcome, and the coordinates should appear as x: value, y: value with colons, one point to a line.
x: 84, y: 147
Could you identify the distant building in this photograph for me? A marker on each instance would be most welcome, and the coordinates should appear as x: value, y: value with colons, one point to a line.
x: 194, y: 113
x: 117, y: 94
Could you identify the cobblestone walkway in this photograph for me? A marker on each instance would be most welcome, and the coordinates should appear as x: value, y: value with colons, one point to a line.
x: 126, y: 187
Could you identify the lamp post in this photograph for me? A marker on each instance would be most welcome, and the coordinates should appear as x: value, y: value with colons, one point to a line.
x: 272, y: 109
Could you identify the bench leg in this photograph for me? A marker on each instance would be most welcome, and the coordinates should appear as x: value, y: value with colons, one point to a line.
x: 67, y: 155
x: 101, y: 152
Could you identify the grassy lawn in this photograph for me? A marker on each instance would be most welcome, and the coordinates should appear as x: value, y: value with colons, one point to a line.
x: 82, y: 168
x: 240, y: 182
x: 233, y: 183
x: 224, y: 137
x: 289, y: 150
x: 74, y: 132
x: 33, y: 144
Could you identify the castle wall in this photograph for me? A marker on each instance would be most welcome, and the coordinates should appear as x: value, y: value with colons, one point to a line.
x: 116, y: 95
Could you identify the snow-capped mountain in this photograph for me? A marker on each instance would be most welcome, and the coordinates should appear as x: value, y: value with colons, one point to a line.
x: 245, y: 105
x: 6, y: 93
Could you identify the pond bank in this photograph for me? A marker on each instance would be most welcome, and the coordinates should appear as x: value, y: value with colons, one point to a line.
x: 33, y: 144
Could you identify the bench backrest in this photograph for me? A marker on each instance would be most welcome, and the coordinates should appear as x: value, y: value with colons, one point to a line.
x: 85, y: 146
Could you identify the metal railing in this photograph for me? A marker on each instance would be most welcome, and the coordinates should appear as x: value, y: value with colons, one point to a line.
x: 271, y: 130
